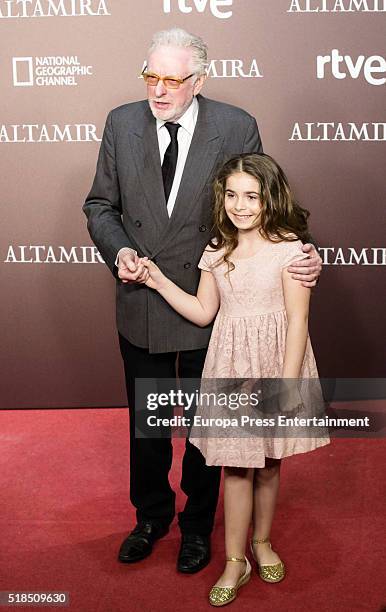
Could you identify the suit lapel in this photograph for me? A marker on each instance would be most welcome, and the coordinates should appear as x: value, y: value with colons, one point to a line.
x: 147, y: 159
x: 203, y: 152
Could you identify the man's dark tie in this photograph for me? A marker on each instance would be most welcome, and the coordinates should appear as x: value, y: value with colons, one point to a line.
x: 170, y: 158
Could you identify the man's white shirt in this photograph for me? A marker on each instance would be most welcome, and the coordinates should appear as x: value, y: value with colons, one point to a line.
x: 184, y: 138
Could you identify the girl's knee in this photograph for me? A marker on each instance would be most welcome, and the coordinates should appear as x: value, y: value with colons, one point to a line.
x: 237, y: 472
x: 271, y: 470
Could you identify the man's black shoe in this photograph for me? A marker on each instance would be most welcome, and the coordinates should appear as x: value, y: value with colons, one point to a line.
x: 194, y: 553
x: 139, y: 543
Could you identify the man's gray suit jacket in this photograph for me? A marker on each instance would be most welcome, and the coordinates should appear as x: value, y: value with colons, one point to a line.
x: 126, y: 208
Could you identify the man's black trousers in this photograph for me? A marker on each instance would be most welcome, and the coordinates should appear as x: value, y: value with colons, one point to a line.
x: 151, y: 458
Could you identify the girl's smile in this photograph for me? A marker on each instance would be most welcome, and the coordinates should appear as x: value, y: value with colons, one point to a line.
x: 241, y: 217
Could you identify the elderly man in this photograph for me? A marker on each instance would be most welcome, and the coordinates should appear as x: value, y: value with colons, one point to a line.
x: 151, y: 197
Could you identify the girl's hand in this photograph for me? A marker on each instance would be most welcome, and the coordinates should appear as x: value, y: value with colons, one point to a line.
x: 290, y: 401
x: 156, y: 279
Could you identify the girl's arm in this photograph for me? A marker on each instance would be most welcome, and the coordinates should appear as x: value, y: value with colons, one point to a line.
x: 200, y: 309
x: 297, y: 299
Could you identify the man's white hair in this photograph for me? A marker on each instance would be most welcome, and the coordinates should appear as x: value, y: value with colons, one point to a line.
x: 177, y: 37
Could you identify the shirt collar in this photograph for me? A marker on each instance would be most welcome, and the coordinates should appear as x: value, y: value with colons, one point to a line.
x: 188, y: 119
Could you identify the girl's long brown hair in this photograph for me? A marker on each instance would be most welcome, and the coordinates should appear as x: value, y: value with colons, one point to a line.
x: 281, y: 217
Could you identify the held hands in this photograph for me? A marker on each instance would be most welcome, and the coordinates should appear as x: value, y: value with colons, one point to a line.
x: 307, y: 270
x: 134, y: 269
x: 131, y: 268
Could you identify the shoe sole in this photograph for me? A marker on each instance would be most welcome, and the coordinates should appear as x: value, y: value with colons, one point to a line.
x: 245, y: 581
x: 133, y: 560
x: 194, y: 571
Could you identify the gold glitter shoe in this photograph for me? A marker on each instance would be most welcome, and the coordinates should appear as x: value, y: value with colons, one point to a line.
x: 220, y: 596
x: 268, y: 573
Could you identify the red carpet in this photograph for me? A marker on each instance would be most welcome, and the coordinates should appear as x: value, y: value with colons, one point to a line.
x: 65, y: 512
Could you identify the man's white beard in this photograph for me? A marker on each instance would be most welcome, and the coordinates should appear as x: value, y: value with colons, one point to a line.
x: 169, y: 115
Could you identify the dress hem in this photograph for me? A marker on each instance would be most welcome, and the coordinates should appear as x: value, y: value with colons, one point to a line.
x: 226, y: 462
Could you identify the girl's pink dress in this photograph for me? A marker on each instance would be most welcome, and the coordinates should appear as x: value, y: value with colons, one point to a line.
x: 248, y: 342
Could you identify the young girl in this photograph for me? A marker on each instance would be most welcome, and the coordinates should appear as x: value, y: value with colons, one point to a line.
x: 260, y: 332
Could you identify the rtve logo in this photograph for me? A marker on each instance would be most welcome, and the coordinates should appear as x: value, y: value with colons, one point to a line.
x: 186, y: 6
x: 344, y: 65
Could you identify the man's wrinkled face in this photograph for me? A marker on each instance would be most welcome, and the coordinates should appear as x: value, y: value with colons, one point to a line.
x: 170, y: 104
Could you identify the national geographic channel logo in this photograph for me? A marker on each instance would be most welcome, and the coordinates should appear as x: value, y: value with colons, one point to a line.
x: 48, y: 71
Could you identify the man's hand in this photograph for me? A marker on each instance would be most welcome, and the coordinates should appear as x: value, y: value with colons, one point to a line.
x: 307, y: 270
x: 131, y: 268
